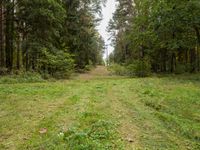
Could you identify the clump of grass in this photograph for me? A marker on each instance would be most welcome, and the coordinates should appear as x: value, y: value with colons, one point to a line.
x: 181, y: 126
x: 28, y: 77
x: 74, y: 99
x: 89, y: 117
x: 100, y: 135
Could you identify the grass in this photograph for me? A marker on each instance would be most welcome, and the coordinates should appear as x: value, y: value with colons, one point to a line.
x: 102, y: 113
x: 29, y: 77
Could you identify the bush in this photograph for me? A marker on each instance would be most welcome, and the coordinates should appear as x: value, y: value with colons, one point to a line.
x: 118, y: 69
x: 142, y: 68
x: 59, y: 64
x: 130, y: 70
x: 179, y: 69
x: 89, y: 67
x: 139, y: 68
x: 182, y: 68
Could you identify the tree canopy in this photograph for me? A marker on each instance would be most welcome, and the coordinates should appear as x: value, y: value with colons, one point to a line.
x: 163, y: 33
x: 49, y: 36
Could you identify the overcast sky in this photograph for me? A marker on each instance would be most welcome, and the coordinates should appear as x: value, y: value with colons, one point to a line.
x: 107, y: 15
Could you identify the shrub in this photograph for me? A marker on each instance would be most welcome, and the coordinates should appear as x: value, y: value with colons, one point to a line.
x: 117, y: 69
x: 89, y: 67
x: 142, y: 68
x: 182, y: 68
x: 139, y: 68
x: 130, y: 70
x: 59, y: 64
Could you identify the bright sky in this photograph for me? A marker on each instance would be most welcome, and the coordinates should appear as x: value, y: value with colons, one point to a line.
x: 107, y: 15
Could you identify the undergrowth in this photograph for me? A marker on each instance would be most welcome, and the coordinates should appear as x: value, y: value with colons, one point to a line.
x: 28, y: 77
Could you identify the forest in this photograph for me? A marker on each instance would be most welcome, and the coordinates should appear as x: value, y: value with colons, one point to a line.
x: 161, y: 36
x: 58, y: 37
x: 49, y: 36
x: 99, y: 74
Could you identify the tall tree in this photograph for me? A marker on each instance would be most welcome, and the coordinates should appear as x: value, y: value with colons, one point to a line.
x: 9, y: 33
x: 119, y: 27
x: 164, y: 32
x: 1, y: 35
x: 49, y: 36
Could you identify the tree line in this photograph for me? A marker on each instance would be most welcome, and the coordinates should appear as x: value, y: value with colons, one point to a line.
x: 160, y: 35
x: 49, y: 36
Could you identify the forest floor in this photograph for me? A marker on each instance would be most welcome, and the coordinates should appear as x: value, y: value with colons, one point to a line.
x: 98, y: 111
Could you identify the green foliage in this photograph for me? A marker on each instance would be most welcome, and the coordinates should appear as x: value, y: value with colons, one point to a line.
x: 24, y: 77
x: 167, y: 32
x: 82, y: 38
x: 59, y: 64
x: 142, y: 68
x: 89, y: 66
x: 139, y: 68
x: 117, y: 69
x: 38, y: 32
x: 181, y: 68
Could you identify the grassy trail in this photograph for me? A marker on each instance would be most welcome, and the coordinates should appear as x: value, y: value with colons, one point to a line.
x: 97, y: 111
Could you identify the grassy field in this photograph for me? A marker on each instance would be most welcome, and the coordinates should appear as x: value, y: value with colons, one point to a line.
x: 101, y: 112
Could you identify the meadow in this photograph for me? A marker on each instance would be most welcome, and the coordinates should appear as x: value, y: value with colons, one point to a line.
x: 102, y: 112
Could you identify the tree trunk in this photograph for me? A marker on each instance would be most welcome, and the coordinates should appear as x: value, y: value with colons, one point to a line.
x: 198, y: 46
x: 141, y: 52
x: 164, y: 59
x: 27, y: 60
x: 12, y: 33
x: 186, y: 57
x: 173, y: 62
x: 193, y: 60
x: 198, y: 35
x: 18, y: 53
x: 198, y: 61
x: 1, y: 36
x: 9, y: 35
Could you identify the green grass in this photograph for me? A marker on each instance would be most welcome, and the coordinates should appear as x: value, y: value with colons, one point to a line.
x: 102, y: 113
x: 29, y: 77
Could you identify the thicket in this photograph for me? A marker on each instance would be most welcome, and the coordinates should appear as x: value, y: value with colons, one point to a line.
x: 138, y: 68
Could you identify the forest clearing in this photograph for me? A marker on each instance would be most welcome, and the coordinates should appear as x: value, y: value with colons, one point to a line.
x: 99, y: 74
x: 102, y: 112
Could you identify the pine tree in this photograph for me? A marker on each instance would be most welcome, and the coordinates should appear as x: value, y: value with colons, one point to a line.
x: 163, y: 33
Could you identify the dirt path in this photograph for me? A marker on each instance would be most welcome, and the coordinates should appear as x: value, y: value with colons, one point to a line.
x: 117, y: 110
x: 98, y: 72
